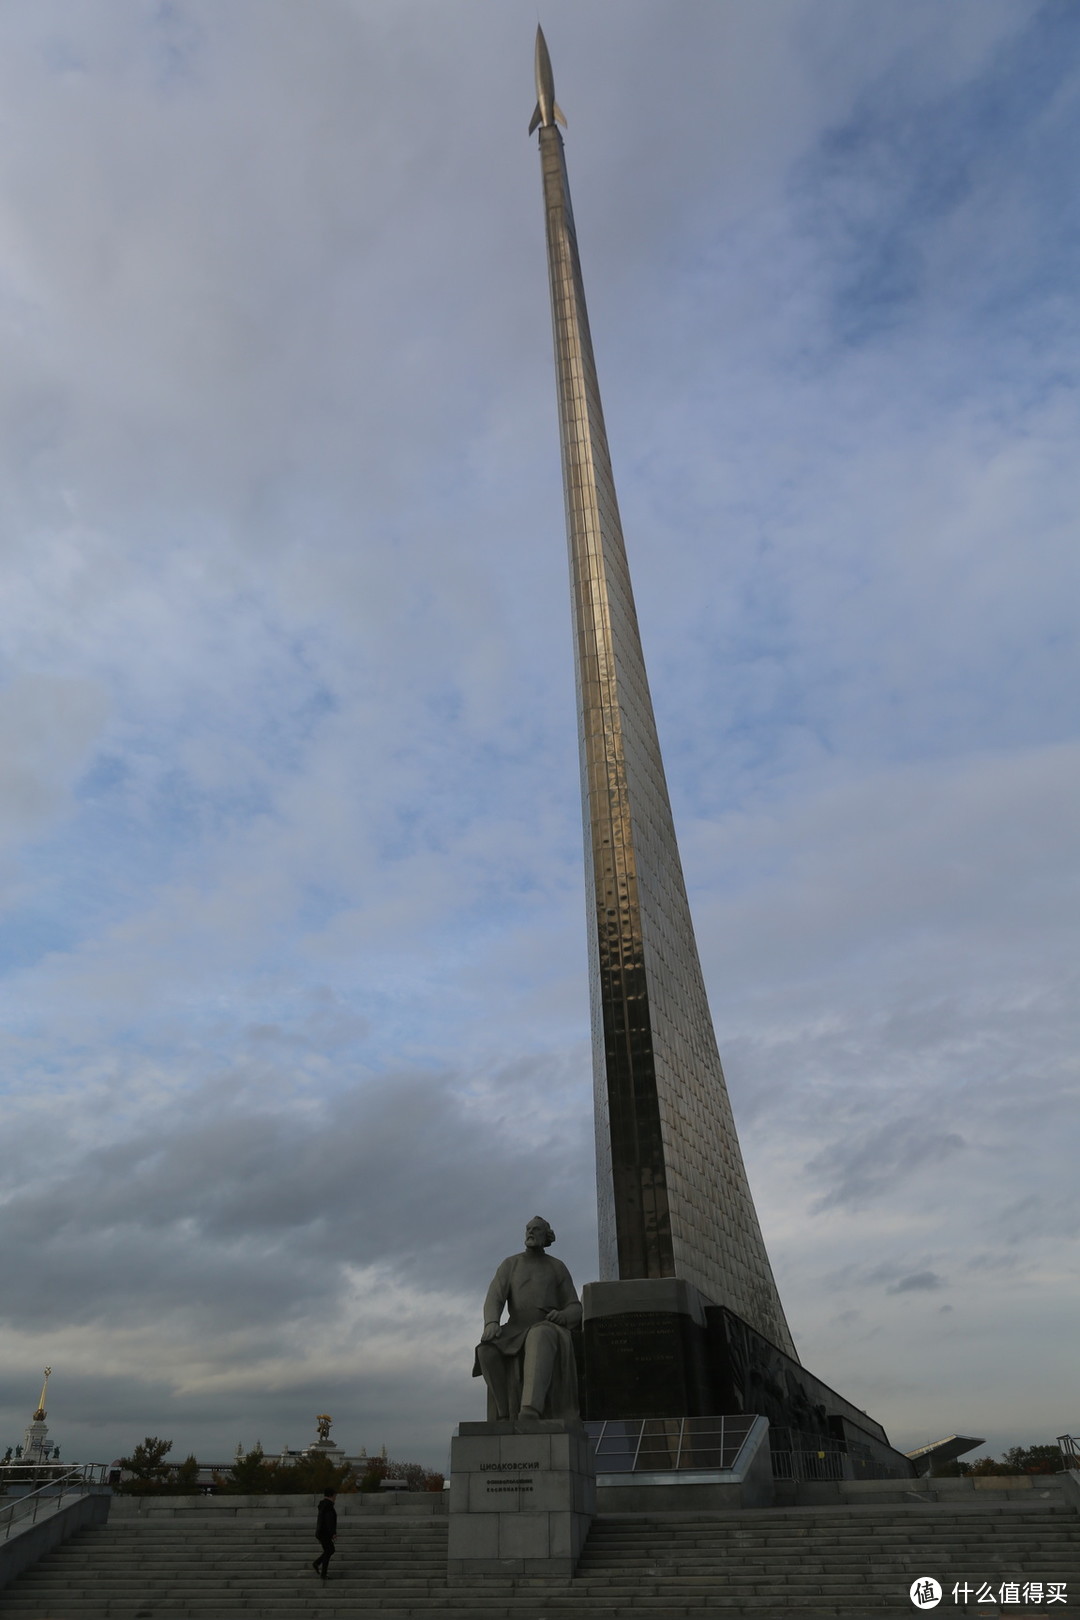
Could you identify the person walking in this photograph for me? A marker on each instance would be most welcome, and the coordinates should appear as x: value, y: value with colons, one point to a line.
x: 325, y: 1531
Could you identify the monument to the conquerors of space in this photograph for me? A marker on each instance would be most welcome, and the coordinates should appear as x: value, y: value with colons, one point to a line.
x: 686, y: 1319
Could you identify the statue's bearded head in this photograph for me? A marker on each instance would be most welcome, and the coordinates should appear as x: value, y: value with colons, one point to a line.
x: 538, y: 1234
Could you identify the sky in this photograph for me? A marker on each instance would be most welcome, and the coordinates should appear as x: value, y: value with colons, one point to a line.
x: 294, y: 997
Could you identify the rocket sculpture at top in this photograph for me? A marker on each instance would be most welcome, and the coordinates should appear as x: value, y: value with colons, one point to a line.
x: 547, y: 108
x: 672, y: 1190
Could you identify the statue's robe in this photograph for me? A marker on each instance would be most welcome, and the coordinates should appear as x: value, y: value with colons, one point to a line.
x: 531, y: 1284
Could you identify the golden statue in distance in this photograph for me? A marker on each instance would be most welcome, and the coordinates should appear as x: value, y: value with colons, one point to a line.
x: 39, y: 1415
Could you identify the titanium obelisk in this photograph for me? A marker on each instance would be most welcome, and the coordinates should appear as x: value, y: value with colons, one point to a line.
x: 674, y: 1201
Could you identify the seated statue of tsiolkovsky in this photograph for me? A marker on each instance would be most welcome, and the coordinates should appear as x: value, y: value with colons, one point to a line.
x: 528, y: 1362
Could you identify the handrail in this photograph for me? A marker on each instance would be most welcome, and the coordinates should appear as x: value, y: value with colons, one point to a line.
x: 51, y: 1473
x: 78, y: 1476
x: 1069, y: 1446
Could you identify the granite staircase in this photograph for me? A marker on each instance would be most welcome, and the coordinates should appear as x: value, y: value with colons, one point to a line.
x: 835, y: 1561
x: 840, y: 1560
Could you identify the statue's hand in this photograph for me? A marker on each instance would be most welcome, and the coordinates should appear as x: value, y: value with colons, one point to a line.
x: 491, y: 1331
x: 558, y: 1317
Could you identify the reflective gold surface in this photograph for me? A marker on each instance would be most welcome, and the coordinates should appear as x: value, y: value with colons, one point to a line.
x: 673, y: 1194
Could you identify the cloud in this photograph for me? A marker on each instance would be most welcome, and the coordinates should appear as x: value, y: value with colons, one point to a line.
x: 48, y: 728
x: 874, y: 1164
x: 252, y: 1192
x: 918, y: 1282
x: 257, y: 1228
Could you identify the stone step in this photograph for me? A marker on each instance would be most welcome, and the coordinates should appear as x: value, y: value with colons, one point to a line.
x: 288, y: 1529
x: 759, y: 1582
x: 743, y: 1552
x: 810, y: 1579
x: 593, y: 1561
x: 830, y: 1549
x: 673, y: 1608
x: 328, y: 1608
x: 974, y: 1535
x: 804, y: 1521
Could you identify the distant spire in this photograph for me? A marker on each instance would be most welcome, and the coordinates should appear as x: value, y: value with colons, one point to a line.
x: 547, y: 108
x: 39, y: 1415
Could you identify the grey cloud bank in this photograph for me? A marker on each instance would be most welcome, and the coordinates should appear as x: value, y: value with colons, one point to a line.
x: 289, y: 834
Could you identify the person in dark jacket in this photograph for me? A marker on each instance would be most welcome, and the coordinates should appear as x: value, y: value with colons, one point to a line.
x: 325, y: 1531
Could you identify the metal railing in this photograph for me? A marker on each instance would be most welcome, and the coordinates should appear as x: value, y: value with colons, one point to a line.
x: 48, y: 1496
x: 806, y: 1465
x: 800, y: 1455
x: 669, y: 1445
x: 1069, y: 1446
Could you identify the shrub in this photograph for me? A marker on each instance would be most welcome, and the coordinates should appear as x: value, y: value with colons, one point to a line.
x: 254, y: 1475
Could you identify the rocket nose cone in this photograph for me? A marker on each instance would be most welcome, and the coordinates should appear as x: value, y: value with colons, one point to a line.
x: 543, y: 65
x: 547, y: 111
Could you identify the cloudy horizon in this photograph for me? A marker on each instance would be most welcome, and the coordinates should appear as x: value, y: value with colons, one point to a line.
x: 295, y: 999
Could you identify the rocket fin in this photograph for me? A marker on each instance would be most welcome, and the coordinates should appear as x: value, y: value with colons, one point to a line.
x: 536, y: 117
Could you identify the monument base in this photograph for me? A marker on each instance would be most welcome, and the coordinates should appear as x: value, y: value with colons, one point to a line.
x: 522, y: 1497
x: 646, y: 1350
x: 655, y: 1348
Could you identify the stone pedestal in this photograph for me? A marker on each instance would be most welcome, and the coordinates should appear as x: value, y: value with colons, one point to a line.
x: 522, y: 1497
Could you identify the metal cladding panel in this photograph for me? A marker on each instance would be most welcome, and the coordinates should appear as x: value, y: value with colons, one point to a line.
x: 672, y: 1190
